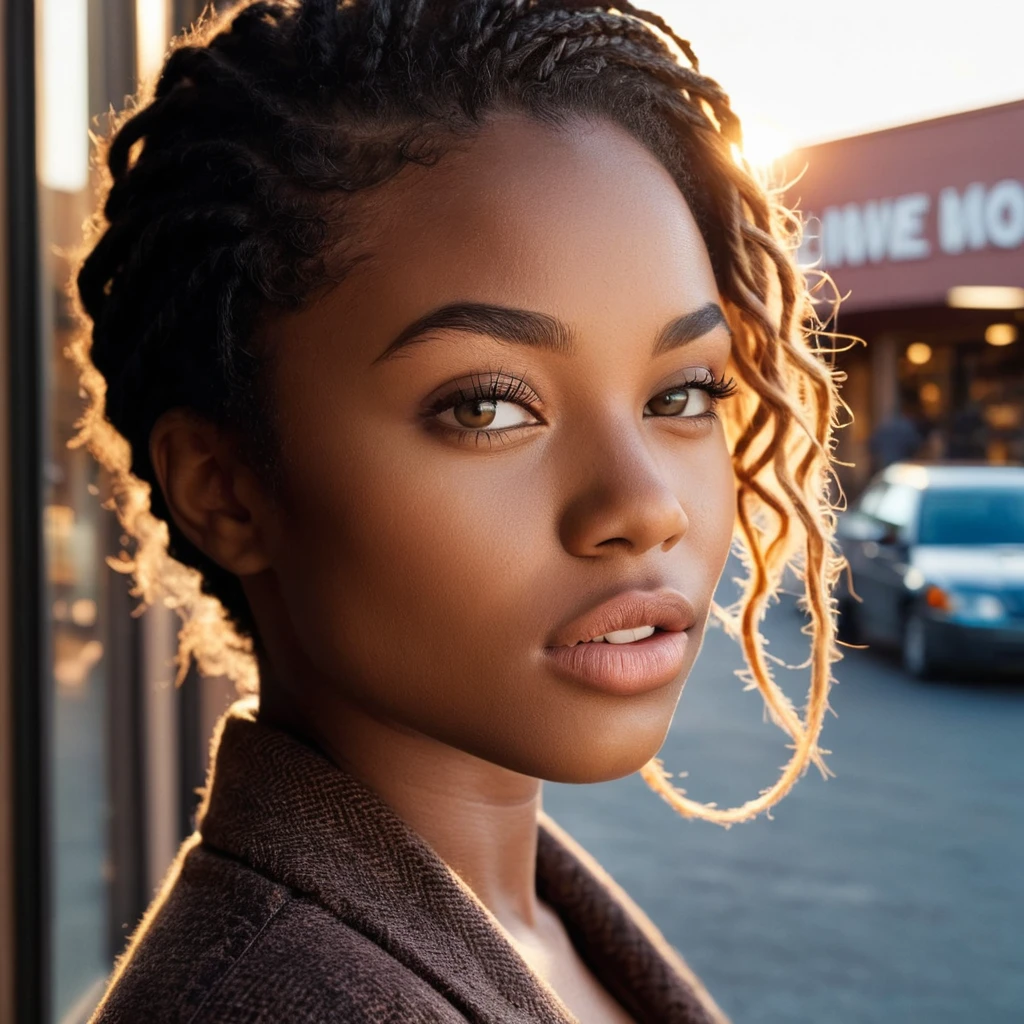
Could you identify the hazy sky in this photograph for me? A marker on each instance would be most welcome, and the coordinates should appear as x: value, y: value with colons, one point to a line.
x: 803, y: 71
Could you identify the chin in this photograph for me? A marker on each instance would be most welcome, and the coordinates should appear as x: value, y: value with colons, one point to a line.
x: 587, y: 745
x: 604, y: 758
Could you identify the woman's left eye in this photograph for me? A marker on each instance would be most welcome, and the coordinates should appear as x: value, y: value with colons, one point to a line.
x: 683, y: 402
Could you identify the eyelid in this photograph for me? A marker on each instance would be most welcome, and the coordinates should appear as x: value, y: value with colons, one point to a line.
x: 715, y: 388
x: 497, y: 385
x: 687, y: 377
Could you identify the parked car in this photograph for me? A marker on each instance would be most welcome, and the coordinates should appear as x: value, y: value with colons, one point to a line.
x: 936, y: 553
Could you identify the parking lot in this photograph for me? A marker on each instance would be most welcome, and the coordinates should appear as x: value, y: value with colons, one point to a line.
x: 891, y: 894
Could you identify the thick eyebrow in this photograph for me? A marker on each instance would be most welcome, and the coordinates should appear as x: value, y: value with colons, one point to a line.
x: 528, y: 327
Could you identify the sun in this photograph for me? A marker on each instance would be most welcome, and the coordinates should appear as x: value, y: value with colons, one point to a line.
x: 764, y: 142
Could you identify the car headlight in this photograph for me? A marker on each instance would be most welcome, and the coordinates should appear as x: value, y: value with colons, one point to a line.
x: 976, y: 607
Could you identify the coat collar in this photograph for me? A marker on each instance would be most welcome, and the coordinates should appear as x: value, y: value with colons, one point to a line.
x: 281, y: 806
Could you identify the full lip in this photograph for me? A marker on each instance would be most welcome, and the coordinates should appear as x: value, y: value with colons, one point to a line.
x: 665, y: 609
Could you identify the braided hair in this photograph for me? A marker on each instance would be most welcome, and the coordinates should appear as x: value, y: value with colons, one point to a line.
x: 224, y: 198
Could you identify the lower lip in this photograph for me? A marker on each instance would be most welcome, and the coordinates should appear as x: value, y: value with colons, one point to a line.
x: 623, y: 669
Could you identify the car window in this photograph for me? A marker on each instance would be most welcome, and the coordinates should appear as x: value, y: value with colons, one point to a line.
x: 897, y: 506
x: 973, y: 517
x: 869, y: 500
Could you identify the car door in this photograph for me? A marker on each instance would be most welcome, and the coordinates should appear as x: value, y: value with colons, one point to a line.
x: 857, y: 527
x: 885, y: 563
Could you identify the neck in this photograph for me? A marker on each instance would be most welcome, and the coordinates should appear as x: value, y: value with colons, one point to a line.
x: 480, y: 818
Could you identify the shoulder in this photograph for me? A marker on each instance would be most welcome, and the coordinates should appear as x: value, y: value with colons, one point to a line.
x: 222, y: 944
x: 308, y: 966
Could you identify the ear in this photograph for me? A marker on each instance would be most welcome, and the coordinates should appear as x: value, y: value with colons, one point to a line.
x: 214, y: 498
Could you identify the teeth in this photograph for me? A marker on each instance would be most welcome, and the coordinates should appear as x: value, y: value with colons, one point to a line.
x: 627, y: 636
x: 623, y: 636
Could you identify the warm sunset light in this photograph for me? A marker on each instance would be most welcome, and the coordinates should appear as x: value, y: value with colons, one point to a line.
x: 64, y: 95
x: 807, y: 67
x: 764, y: 142
x: 152, y: 31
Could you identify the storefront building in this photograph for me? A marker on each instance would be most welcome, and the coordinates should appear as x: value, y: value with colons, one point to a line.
x: 922, y: 229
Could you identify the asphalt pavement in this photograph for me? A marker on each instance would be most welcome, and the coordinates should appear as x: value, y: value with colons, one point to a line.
x: 890, y: 894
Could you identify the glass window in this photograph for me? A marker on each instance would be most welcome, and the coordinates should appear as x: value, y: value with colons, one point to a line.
x: 869, y: 500
x: 973, y: 517
x: 75, y: 540
x: 897, y: 506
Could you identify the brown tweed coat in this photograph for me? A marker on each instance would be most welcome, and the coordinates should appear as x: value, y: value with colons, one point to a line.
x: 303, y: 898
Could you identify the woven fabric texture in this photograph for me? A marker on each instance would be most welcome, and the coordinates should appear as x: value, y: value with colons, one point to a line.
x: 302, y: 897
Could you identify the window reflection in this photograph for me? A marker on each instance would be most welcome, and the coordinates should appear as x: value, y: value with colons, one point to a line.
x: 84, y: 54
x: 76, y: 532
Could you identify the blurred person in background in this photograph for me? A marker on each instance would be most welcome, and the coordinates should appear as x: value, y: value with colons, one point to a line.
x: 968, y: 433
x: 896, y: 438
x: 433, y: 349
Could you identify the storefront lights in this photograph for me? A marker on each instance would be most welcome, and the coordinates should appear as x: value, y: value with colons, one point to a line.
x: 1000, y: 334
x: 985, y: 297
x: 919, y: 353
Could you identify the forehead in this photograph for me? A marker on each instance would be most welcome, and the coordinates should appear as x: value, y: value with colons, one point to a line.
x: 580, y: 221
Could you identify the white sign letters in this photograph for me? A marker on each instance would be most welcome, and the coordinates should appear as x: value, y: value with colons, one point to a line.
x: 913, y: 227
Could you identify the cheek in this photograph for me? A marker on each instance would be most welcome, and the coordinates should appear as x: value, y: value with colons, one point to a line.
x: 399, y: 551
x: 708, y: 494
x: 725, y: 519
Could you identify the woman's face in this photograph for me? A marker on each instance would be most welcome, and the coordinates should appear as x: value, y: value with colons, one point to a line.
x: 452, y: 504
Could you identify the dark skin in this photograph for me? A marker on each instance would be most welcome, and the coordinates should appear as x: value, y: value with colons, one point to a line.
x: 405, y: 582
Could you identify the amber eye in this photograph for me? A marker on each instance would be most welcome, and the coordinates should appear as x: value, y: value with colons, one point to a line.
x: 682, y: 402
x: 475, y: 414
x: 486, y: 414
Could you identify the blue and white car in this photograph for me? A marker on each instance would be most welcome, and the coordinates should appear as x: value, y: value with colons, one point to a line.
x: 936, y: 553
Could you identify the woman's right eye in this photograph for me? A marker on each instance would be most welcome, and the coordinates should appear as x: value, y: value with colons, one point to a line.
x: 485, y: 414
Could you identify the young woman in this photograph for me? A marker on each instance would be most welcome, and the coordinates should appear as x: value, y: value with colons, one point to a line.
x: 439, y: 352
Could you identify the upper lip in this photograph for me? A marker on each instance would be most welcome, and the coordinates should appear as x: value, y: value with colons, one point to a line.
x: 665, y: 608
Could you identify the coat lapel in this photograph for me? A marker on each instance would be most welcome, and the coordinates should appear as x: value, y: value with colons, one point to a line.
x: 284, y: 808
x: 617, y: 940
x: 288, y: 811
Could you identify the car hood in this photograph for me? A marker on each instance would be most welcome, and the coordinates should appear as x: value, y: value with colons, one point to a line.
x: 978, y: 565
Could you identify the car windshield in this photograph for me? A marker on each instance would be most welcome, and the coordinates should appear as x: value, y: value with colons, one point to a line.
x: 972, y: 517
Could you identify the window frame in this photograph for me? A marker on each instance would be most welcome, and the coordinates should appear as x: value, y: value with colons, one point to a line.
x: 30, y: 711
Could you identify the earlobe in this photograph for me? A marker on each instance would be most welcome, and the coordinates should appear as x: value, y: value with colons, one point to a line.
x: 202, y: 477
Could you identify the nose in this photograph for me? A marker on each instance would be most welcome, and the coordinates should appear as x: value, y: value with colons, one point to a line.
x: 624, y: 500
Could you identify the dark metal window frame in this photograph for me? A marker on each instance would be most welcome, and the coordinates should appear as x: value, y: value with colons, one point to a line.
x: 31, y: 712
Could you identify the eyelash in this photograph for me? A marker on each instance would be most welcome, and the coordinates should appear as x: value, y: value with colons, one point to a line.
x: 500, y: 387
